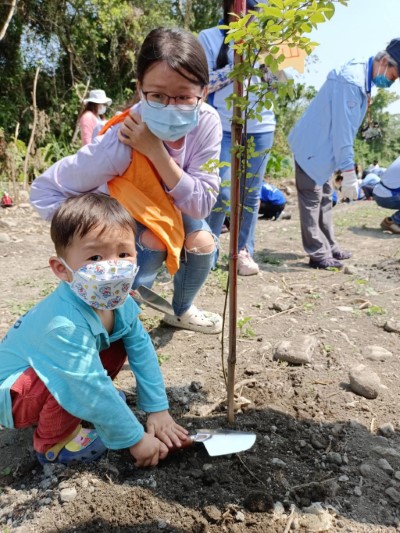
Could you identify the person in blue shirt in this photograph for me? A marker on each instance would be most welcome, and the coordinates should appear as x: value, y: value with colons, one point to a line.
x: 220, y: 56
x: 386, y: 194
x: 272, y: 201
x: 322, y: 143
x: 57, y: 362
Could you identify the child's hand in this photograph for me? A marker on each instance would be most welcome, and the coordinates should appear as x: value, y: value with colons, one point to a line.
x: 148, y: 451
x: 163, y: 426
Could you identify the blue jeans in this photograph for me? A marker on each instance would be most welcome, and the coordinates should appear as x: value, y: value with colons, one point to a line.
x: 392, y: 202
x: 193, y: 271
x: 250, y: 191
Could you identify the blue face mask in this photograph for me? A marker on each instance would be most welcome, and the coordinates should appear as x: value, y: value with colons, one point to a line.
x: 382, y: 81
x: 169, y: 123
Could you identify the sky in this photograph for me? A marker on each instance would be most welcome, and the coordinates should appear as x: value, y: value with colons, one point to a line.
x: 359, y: 30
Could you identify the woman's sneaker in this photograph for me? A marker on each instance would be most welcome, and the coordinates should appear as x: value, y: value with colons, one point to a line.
x: 196, y: 320
x: 84, y: 447
x: 246, y: 265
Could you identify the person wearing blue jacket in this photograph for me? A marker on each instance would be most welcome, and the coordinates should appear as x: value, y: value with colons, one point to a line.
x: 322, y: 143
x: 272, y: 201
x: 220, y: 56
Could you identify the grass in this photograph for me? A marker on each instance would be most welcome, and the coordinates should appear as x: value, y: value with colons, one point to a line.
x: 163, y: 358
x: 21, y: 309
x: 375, y: 310
x: 247, y: 331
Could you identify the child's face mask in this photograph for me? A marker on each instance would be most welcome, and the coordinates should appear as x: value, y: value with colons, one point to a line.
x: 103, y: 284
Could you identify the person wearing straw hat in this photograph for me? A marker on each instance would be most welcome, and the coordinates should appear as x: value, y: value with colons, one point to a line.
x: 95, y: 107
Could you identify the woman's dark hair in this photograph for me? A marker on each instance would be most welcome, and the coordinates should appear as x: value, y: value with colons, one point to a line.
x: 222, y: 59
x: 179, y: 49
x: 90, y: 106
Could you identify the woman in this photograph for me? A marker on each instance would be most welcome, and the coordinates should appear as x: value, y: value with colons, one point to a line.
x: 91, y: 117
x: 151, y: 159
x: 219, y: 55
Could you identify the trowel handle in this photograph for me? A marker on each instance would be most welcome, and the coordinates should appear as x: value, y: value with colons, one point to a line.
x: 187, y: 443
x: 192, y: 439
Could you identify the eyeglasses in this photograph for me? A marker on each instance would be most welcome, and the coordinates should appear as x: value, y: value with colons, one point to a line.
x: 185, y: 103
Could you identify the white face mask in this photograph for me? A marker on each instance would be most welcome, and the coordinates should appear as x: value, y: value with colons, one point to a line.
x: 101, y: 109
x: 103, y: 284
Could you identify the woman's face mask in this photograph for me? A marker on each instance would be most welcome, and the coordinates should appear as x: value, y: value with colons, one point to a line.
x: 169, y: 123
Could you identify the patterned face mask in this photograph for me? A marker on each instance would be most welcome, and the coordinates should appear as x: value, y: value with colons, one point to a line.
x: 103, y: 284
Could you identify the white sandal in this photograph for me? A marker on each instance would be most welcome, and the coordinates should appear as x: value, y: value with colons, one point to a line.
x: 196, y: 320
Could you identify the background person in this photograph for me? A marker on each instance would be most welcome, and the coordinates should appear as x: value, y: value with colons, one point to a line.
x: 58, y: 361
x: 6, y: 200
x: 272, y: 201
x: 151, y: 160
x: 322, y: 143
x: 93, y: 114
x: 219, y: 55
x: 386, y: 194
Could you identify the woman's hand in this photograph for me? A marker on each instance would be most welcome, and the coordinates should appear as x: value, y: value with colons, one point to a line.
x: 163, y: 426
x: 136, y: 134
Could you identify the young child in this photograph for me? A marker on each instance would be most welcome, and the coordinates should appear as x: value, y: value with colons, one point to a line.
x: 58, y: 361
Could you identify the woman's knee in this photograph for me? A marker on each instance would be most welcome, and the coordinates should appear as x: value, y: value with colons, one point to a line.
x: 200, y: 242
x: 151, y: 241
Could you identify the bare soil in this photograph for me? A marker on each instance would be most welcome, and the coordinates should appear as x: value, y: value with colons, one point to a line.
x: 317, y: 441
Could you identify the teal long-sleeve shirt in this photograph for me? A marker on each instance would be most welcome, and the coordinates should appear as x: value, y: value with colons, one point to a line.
x: 60, y: 338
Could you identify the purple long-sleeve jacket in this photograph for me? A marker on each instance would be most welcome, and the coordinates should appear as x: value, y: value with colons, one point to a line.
x: 97, y: 163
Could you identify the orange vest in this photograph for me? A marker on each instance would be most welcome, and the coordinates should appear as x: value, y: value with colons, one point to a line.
x: 141, y: 191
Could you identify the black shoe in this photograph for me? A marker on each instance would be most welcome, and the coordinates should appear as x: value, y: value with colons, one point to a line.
x: 325, y: 264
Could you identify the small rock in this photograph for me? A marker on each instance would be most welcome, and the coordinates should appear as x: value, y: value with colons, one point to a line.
x: 239, y: 517
x: 350, y: 270
x: 397, y: 475
x: 357, y: 491
x: 393, y: 494
x: 315, y: 523
x: 298, y: 351
x: 314, y: 508
x: 366, y: 470
x: 392, y: 326
x: 335, y: 458
x: 376, y: 353
x: 343, y: 478
x: 279, y: 508
x: 278, y: 462
x: 385, y: 466
x: 345, y: 308
x: 68, y: 494
x: 212, y: 514
x: 364, y: 382
x: 4, y: 237
x: 387, y: 430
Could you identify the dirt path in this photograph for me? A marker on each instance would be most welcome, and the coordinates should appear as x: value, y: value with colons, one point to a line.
x: 317, y: 441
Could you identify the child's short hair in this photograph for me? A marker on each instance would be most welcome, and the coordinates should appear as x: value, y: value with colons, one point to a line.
x: 78, y: 215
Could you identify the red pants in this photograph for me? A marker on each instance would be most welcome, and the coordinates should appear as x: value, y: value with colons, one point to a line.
x: 32, y: 403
